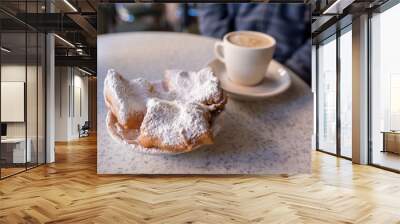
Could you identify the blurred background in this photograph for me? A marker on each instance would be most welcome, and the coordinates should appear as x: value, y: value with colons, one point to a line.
x: 289, y: 24
x: 124, y: 17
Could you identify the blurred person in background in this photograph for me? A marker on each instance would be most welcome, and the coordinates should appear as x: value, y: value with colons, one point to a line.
x: 128, y: 17
x: 289, y: 24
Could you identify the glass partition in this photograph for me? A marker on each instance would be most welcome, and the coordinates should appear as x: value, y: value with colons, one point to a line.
x: 31, y: 99
x: 22, y: 101
x: 13, y: 94
x: 35, y: 96
x: 41, y: 96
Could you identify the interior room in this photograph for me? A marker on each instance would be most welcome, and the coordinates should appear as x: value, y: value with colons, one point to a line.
x: 333, y: 52
x: 22, y: 98
x: 74, y: 86
x: 50, y: 121
x: 25, y: 69
x: 385, y: 123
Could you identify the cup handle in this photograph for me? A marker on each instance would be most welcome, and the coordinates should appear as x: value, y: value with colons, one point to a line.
x: 218, y: 51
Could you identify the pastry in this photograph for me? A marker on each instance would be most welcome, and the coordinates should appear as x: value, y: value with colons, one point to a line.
x: 175, y: 126
x: 172, y: 115
x: 201, y: 87
x: 126, y: 99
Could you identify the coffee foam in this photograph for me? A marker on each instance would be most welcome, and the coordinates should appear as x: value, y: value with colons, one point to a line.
x: 249, y: 40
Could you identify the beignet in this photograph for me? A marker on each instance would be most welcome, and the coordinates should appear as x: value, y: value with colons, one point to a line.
x: 173, y: 115
x: 175, y: 126
x: 201, y: 87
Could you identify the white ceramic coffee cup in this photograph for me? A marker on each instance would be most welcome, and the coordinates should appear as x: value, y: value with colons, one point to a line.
x: 245, y: 65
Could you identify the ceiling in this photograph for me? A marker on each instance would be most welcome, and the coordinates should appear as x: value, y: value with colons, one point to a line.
x: 73, y: 20
x: 332, y: 15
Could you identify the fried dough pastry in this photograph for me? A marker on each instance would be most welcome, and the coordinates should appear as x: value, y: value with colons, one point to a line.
x: 173, y: 115
x: 173, y: 126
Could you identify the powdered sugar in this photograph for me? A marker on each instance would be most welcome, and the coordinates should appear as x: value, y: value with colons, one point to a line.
x: 201, y: 87
x: 173, y: 122
x: 131, y: 96
x: 176, y: 110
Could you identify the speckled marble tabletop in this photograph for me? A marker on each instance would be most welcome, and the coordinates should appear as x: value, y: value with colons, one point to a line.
x: 265, y: 137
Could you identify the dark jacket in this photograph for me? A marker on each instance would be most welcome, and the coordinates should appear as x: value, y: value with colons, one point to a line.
x: 289, y: 24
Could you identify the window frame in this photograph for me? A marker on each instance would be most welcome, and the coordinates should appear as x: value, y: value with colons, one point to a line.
x: 339, y: 32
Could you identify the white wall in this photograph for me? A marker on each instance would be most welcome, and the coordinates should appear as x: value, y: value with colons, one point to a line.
x: 81, y: 84
x: 62, y: 81
x: 70, y: 84
x: 33, y: 127
x: 15, y: 72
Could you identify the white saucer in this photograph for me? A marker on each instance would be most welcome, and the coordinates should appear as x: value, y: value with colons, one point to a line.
x: 277, y: 80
